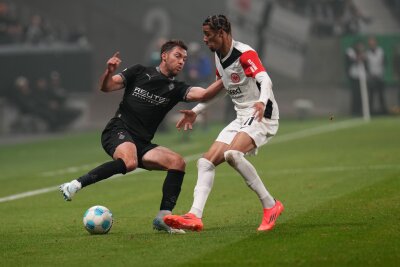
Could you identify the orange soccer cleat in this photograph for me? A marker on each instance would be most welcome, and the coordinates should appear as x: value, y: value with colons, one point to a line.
x: 270, y: 216
x: 189, y: 221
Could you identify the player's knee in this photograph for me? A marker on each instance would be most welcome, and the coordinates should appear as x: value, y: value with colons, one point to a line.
x: 182, y: 163
x: 177, y: 163
x: 233, y: 157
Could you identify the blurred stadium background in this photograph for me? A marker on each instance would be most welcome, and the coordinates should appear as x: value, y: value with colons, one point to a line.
x: 57, y: 50
x: 337, y: 176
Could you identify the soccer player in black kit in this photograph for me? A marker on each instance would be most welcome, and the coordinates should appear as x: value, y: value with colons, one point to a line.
x: 150, y: 93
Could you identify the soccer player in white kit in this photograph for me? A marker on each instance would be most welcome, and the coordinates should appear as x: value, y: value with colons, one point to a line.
x: 248, y: 84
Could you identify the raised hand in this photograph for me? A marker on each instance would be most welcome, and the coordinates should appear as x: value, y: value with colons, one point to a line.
x: 187, y: 121
x: 113, y: 63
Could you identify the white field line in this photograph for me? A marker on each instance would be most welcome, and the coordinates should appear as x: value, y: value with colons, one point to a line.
x: 28, y: 194
x: 317, y: 130
x: 279, y: 139
x: 382, y: 167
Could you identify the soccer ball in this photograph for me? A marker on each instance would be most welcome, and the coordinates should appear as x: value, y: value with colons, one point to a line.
x: 98, y: 220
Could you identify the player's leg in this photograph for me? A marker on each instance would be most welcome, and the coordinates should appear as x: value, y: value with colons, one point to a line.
x: 205, y: 180
x: 206, y: 172
x: 118, y: 143
x: 234, y: 156
x: 251, y: 137
x: 205, y: 176
x: 162, y: 158
x: 206, y: 167
x: 125, y: 160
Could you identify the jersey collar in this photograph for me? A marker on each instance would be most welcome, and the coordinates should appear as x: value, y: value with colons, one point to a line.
x: 159, y: 71
x: 229, y: 53
x: 231, y: 57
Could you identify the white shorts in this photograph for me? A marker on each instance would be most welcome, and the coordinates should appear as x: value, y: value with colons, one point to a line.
x: 261, y: 132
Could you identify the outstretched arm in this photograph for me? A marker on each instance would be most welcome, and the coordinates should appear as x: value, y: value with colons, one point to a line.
x: 108, y: 81
x: 200, y: 94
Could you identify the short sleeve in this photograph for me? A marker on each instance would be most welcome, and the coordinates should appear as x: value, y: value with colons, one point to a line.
x: 129, y: 74
x: 183, y: 90
x: 251, y: 63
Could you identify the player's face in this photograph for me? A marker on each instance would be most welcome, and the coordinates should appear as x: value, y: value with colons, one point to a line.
x: 213, y: 39
x: 175, y: 60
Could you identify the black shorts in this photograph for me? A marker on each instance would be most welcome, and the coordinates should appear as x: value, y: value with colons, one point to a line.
x: 117, y: 133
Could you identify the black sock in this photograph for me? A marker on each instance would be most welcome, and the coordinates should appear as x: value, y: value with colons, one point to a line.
x: 171, y: 189
x: 102, y: 172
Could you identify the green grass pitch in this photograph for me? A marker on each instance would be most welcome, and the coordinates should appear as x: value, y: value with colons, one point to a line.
x: 339, y: 182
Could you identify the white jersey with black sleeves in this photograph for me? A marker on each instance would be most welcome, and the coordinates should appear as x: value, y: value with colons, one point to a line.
x: 238, y: 71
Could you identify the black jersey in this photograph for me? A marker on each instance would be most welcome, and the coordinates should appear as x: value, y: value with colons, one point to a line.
x: 148, y: 97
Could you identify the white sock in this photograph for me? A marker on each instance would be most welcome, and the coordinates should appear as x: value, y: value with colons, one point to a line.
x: 237, y: 160
x: 205, y: 181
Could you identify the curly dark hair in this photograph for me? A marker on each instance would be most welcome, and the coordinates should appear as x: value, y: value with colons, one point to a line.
x: 217, y: 22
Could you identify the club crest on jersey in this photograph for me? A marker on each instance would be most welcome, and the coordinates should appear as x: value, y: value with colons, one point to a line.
x: 171, y: 86
x: 235, y: 78
x: 121, y: 135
